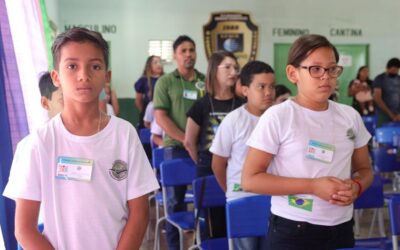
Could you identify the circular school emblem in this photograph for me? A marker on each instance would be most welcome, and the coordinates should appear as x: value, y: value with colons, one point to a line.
x: 119, y: 170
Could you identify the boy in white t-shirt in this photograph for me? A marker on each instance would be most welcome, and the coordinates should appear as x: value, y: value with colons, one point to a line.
x: 229, y: 145
x: 155, y: 129
x: 87, y: 170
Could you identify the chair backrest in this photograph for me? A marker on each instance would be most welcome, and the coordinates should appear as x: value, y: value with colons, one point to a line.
x: 157, y: 157
x: 372, y: 197
x: 144, y: 135
x: 385, y: 135
x: 394, y: 213
x: 248, y: 216
x: 385, y: 159
x: 208, y: 193
x: 177, y: 172
x: 370, y: 123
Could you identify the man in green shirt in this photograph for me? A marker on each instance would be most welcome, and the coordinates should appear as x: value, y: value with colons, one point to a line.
x: 174, y: 95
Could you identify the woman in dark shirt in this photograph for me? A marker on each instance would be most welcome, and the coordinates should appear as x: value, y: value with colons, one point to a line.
x: 144, y: 86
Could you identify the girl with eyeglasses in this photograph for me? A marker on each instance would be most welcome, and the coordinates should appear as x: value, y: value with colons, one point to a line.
x: 310, y: 154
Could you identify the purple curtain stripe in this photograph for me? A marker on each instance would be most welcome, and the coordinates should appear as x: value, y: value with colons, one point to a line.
x: 14, y: 97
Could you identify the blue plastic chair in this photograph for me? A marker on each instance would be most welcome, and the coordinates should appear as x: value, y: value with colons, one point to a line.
x: 370, y: 123
x: 372, y: 198
x: 144, y: 135
x: 247, y: 217
x: 176, y: 172
x: 394, y: 213
x: 385, y: 134
x: 208, y: 194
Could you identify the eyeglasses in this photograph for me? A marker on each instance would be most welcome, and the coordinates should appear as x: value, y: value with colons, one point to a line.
x: 319, y: 71
x: 229, y: 67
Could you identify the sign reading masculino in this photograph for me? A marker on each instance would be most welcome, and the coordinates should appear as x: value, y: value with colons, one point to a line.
x: 233, y: 32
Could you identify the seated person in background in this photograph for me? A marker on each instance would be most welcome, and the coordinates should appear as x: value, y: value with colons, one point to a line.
x: 360, y: 90
x: 150, y: 122
x: 282, y: 93
x: 109, y: 101
x: 229, y: 146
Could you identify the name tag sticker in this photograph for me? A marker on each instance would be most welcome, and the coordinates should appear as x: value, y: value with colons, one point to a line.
x: 319, y: 151
x: 77, y: 169
x: 190, y: 94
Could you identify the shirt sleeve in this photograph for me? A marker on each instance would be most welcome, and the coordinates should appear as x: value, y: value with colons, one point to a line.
x: 161, y: 98
x: 223, y: 140
x: 24, y: 179
x: 377, y: 83
x: 196, y: 112
x: 362, y: 136
x: 149, y: 113
x: 141, y: 177
x: 266, y: 134
x: 140, y: 85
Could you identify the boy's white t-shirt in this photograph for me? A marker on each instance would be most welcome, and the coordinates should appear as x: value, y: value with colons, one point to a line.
x: 285, y: 130
x: 83, y: 214
x: 230, y: 142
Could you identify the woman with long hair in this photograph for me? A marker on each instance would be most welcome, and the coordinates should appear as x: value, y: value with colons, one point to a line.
x: 144, y: 86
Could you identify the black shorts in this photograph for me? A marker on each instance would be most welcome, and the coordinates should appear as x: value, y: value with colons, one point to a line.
x: 288, y: 234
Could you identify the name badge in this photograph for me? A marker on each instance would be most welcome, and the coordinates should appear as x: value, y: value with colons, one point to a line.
x: 190, y: 94
x: 319, y: 151
x: 77, y: 169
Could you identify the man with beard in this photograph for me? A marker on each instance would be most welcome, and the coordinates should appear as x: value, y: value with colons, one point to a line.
x: 387, y: 93
x: 174, y: 95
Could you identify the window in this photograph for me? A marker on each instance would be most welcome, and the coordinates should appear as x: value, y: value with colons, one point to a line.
x: 161, y: 48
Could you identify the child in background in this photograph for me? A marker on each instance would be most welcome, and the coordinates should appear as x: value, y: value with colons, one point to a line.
x: 282, y: 93
x: 82, y: 166
x: 229, y: 146
x: 315, y: 152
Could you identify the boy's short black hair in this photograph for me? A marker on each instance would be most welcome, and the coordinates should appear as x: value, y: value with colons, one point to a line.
x: 281, y: 89
x: 78, y: 34
x: 46, y: 85
x: 182, y: 39
x: 251, y: 68
x: 393, y: 63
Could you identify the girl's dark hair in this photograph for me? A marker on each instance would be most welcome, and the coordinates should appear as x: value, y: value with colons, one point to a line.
x: 46, y: 85
x: 281, y: 89
x: 305, y: 45
x: 147, y: 73
x: 78, y: 34
x: 252, y: 68
x: 213, y: 63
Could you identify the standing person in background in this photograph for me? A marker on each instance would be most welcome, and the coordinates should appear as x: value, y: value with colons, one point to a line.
x: 145, y: 85
x: 229, y: 146
x: 315, y: 151
x: 204, y: 118
x: 174, y: 95
x: 361, y: 91
x: 207, y: 113
x: 387, y: 93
